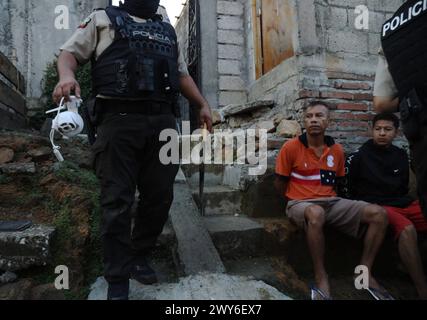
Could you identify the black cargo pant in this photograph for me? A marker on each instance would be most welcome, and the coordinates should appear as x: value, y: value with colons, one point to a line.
x: 418, y: 148
x: 126, y: 155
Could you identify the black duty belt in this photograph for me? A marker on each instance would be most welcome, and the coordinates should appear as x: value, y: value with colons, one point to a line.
x: 131, y: 106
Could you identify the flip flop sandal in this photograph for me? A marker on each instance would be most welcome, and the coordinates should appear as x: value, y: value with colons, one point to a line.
x: 380, y: 294
x: 316, y: 291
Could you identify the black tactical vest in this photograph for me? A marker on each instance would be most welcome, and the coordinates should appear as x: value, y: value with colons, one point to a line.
x: 141, y: 63
x: 404, y: 41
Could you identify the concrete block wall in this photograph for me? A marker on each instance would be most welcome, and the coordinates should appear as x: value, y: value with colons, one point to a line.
x: 231, y: 52
x: 336, y: 25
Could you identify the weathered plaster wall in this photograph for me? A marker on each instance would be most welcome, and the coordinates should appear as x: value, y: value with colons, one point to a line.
x: 29, y: 38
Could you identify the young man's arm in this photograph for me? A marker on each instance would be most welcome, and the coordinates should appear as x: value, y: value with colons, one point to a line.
x: 281, y: 184
x: 284, y: 164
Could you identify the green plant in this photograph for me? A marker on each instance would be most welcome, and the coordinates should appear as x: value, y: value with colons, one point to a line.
x: 72, y: 173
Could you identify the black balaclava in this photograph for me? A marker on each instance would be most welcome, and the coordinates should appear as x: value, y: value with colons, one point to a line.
x: 141, y: 8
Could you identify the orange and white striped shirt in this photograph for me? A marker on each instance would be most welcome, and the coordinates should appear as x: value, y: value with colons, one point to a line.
x: 309, y: 176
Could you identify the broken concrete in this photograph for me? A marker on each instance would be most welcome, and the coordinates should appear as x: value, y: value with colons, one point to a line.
x: 217, y: 117
x: 267, y: 125
x: 237, y: 109
x: 20, y: 290
x: 288, y: 129
x: 6, y: 155
x: 18, y: 167
x: 206, y: 286
x: 7, y: 277
x: 20, y: 250
x: 40, y: 153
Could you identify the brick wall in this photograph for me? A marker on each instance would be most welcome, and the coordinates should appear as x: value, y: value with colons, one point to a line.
x: 350, y: 98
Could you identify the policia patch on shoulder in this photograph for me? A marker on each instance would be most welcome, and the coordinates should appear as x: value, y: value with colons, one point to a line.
x: 85, y: 23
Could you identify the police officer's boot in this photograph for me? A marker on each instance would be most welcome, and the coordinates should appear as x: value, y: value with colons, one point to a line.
x: 143, y: 273
x: 118, y: 290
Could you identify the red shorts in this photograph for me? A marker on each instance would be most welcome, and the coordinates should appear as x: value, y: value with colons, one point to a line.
x: 400, y: 218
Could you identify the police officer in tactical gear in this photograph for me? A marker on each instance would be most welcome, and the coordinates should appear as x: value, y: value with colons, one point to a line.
x: 137, y: 72
x: 401, y: 82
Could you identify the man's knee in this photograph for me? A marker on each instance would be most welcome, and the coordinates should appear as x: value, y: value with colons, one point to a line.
x: 408, y: 233
x: 315, y: 216
x: 376, y: 215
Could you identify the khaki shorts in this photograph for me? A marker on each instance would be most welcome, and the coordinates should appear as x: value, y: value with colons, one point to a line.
x: 343, y: 214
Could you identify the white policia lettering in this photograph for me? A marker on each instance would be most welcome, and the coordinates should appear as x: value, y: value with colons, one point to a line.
x: 405, y: 17
x: 155, y: 36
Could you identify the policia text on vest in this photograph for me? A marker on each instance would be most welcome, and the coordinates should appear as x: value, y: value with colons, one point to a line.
x: 398, y: 21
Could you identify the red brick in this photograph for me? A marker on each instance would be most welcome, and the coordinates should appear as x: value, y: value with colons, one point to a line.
x: 348, y: 76
x: 351, y: 134
x: 353, y: 106
x: 357, y: 124
x: 337, y: 95
x: 309, y: 94
x: 363, y: 96
x: 352, y: 85
x: 351, y: 116
x: 276, y: 143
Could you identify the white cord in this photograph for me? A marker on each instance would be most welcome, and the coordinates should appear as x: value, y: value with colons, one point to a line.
x: 56, y: 148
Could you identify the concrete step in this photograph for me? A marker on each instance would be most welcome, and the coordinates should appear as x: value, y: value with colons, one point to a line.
x: 213, y: 174
x: 220, y: 200
x: 204, y: 286
x: 240, y: 236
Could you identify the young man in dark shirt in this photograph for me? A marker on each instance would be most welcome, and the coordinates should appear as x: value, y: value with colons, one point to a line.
x: 379, y: 173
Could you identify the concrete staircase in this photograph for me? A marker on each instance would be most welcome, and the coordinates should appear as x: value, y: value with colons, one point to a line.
x: 201, y: 247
